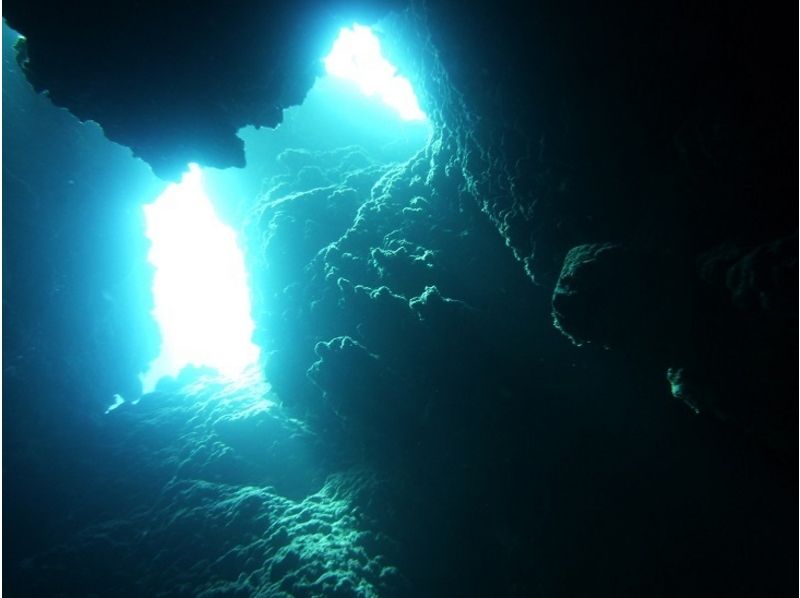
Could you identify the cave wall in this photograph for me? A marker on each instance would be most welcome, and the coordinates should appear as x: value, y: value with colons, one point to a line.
x: 76, y: 302
x: 665, y: 126
x: 624, y: 170
x: 667, y: 132
x: 397, y: 323
x: 636, y: 162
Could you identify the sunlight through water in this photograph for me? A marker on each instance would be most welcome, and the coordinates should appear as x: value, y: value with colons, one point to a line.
x: 200, y: 288
x: 356, y: 56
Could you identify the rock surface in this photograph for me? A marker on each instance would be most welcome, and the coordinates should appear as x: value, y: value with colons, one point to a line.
x: 174, y: 81
x: 627, y: 169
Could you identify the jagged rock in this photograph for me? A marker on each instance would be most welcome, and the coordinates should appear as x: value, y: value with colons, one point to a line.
x: 511, y: 462
x: 615, y: 297
x: 175, y: 81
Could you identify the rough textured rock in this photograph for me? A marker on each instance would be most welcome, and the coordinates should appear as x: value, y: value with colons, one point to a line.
x: 415, y: 342
x: 174, y: 81
x: 663, y: 131
x: 642, y: 151
x: 618, y: 298
x: 723, y: 335
x: 236, y: 503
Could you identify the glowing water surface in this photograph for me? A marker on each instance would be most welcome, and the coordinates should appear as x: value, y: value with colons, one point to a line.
x: 200, y: 289
x: 356, y: 56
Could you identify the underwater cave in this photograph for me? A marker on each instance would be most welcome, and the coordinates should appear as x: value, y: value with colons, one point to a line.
x: 387, y: 298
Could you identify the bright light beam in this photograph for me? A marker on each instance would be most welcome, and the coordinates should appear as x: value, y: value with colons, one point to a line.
x: 356, y: 56
x: 200, y: 290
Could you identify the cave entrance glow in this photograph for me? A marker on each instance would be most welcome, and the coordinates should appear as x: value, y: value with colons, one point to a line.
x: 356, y: 56
x: 200, y: 286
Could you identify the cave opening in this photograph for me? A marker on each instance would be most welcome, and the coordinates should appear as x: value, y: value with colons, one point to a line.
x: 200, y: 289
x: 414, y: 424
x: 356, y: 56
x: 360, y: 113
